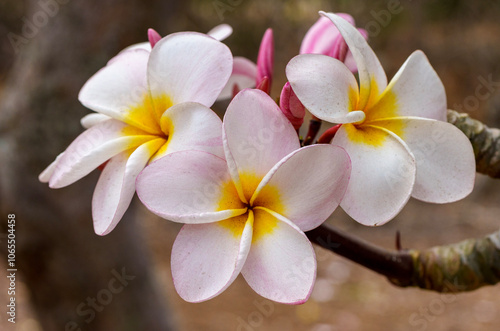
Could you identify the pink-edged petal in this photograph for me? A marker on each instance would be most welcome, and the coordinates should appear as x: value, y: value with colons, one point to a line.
x: 189, y: 66
x: 44, y: 177
x: 92, y: 119
x: 256, y: 136
x: 306, y: 186
x: 446, y: 167
x: 243, y: 76
x: 119, y: 89
x: 324, y: 86
x: 371, y: 74
x: 281, y: 265
x: 189, y: 187
x: 265, y: 59
x: 382, y: 175
x: 221, y: 32
x: 94, y: 147
x: 191, y: 126
x: 207, y: 258
x: 116, y: 186
x: 415, y: 90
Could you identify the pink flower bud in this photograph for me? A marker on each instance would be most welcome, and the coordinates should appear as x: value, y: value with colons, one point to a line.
x: 265, y: 59
x: 153, y: 37
x: 324, y: 38
x: 290, y: 105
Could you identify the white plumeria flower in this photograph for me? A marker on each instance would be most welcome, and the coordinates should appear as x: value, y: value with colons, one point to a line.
x: 395, y: 135
x: 149, y: 104
x: 247, y: 214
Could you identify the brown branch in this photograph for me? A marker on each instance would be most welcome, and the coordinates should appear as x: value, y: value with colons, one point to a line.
x: 485, y: 141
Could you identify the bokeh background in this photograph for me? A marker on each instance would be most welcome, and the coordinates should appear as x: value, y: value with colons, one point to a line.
x: 62, y: 263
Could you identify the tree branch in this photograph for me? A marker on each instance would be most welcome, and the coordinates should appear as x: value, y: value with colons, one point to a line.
x: 463, y: 266
x: 485, y: 141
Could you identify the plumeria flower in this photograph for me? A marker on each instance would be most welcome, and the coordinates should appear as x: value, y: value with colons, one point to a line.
x: 324, y: 38
x: 395, y: 134
x: 149, y: 104
x: 247, y: 215
x: 247, y: 74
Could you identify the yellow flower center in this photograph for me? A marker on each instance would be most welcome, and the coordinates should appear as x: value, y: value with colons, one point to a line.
x: 268, y: 198
x: 379, y: 114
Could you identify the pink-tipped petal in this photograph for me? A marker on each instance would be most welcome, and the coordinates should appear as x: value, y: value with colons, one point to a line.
x: 116, y: 186
x: 281, y: 265
x: 221, y: 32
x: 189, y: 66
x: 117, y: 89
x: 256, y: 135
x: 382, y: 176
x: 191, y: 126
x: 446, y: 167
x: 265, y: 59
x: 92, y: 119
x: 153, y: 37
x: 291, y: 106
x: 417, y: 90
x: 92, y: 148
x: 189, y: 187
x: 324, y: 86
x: 371, y: 74
x: 207, y: 258
x: 306, y: 186
x: 243, y: 76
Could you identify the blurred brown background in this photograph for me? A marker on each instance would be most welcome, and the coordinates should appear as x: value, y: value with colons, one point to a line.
x: 61, y: 262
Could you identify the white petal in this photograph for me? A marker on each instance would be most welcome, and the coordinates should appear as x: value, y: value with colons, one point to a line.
x: 243, y: 76
x: 44, y: 177
x: 119, y: 90
x: 221, y: 32
x: 191, y: 126
x: 324, y: 85
x: 446, y: 167
x: 256, y: 135
x: 382, y: 176
x: 189, y: 66
x: 189, y: 187
x: 94, y: 147
x: 92, y: 119
x: 207, y: 258
x: 116, y: 186
x: 281, y: 265
x: 306, y: 186
x: 415, y: 90
x: 371, y: 74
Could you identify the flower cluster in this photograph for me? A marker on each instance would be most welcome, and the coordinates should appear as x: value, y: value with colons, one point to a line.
x: 244, y: 187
